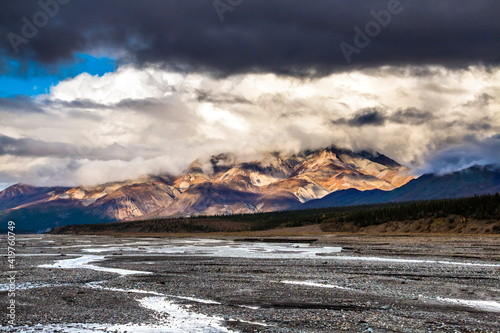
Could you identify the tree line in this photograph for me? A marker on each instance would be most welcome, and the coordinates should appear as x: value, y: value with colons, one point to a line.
x: 484, y: 207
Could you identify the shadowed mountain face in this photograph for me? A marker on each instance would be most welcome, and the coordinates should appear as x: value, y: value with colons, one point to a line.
x: 275, y: 182
x: 476, y: 180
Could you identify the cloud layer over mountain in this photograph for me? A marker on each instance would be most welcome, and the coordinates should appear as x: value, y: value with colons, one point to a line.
x: 93, y: 129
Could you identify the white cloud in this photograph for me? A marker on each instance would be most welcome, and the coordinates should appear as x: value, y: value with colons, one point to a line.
x: 111, y: 88
x: 153, y: 120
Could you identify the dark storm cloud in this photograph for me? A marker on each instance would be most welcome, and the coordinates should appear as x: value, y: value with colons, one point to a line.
x: 368, y: 117
x: 292, y: 37
x: 378, y: 117
x: 30, y: 147
x: 411, y: 116
x: 481, y: 125
x: 19, y: 103
x: 27, y: 147
x: 365, y: 117
x: 480, y: 101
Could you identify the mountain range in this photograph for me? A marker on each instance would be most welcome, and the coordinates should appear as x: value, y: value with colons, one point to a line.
x: 278, y: 181
x: 476, y: 180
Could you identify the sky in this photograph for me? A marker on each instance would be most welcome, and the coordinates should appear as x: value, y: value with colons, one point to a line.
x: 92, y: 91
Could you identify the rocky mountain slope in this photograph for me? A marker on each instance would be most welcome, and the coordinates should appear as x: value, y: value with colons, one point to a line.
x: 277, y: 181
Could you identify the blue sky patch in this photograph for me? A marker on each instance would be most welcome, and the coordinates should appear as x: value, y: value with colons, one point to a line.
x: 35, y: 79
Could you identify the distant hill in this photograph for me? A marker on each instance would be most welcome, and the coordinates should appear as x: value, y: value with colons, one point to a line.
x: 476, y: 180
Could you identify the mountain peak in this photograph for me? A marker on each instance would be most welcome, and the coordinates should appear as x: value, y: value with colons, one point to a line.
x: 379, y: 158
x: 195, y: 167
x: 17, y: 189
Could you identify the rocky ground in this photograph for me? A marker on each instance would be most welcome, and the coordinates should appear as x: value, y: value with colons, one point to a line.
x: 242, y: 284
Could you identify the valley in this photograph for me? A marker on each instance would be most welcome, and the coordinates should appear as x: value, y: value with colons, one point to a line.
x: 329, y: 283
